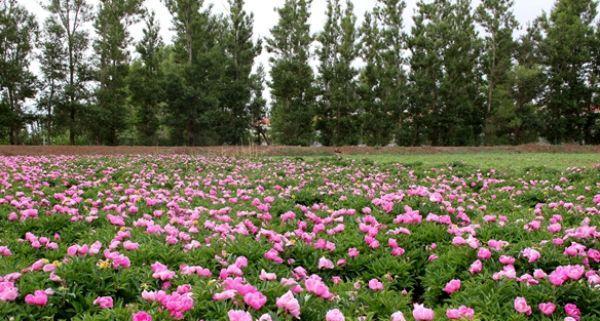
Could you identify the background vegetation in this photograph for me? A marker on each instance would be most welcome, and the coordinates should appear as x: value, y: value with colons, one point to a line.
x: 459, y: 77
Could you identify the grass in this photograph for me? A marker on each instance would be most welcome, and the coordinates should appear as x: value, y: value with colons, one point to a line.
x: 504, y: 161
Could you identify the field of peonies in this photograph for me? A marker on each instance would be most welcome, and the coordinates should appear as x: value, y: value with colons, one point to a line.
x: 180, y: 237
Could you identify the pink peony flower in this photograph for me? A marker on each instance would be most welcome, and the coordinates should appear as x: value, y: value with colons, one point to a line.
x: 421, y: 313
x: 256, y: 300
x: 573, y: 311
x: 239, y: 315
x: 334, y: 315
x: 521, y: 306
x: 104, y: 302
x: 39, y: 298
x: 452, y: 286
x: 8, y: 291
x: 375, y: 285
x: 397, y: 316
x: 141, y: 316
x: 289, y: 304
x: 462, y: 312
x: 547, y: 308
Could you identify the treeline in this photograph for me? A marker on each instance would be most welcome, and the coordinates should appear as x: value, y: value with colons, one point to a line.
x: 460, y: 76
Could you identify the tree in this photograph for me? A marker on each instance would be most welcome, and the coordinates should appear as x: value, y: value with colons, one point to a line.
x: 112, y: 21
x: 18, y: 32
x: 424, y: 103
x: 194, y: 74
x: 567, y: 51
x: 53, y: 76
x: 237, y: 91
x: 337, y: 106
x: 67, y: 71
x: 528, y: 80
x: 145, y: 83
x: 393, y: 77
x: 377, y: 124
x: 498, y: 21
x: 291, y: 75
x: 257, y: 107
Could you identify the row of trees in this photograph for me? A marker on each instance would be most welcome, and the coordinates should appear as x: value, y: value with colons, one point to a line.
x: 459, y: 77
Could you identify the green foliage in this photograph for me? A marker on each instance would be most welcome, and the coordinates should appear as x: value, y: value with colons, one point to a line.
x: 292, y: 77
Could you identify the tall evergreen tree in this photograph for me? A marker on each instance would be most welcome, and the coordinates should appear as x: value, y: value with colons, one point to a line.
x: 257, y: 108
x: 567, y: 50
x: 498, y: 22
x: 145, y: 82
x: 527, y: 78
x: 377, y: 124
x: 292, y: 78
x: 65, y: 63
x: 18, y: 32
x: 393, y: 77
x: 444, y: 74
x: 53, y: 76
x: 425, y: 74
x: 112, y: 22
x: 236, y: 94
x: 194, y: 76
x: 337, y: 106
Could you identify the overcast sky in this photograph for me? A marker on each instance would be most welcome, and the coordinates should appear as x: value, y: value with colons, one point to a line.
x: 265, y: 15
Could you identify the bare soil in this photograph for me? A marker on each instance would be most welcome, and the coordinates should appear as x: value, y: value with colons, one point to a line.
x: 6, y: 150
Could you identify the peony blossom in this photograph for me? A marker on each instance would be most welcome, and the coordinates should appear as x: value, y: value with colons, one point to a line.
x: 334, y: 315
x: 421, y: 313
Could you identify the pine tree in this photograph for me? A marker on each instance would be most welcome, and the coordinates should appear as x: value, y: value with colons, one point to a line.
x: 257, y: 108
x: 112, y: 22
x: 292, y: 78
x: 377, y: 124
x: 65, y: 63
x: 527, y: 78
x: 393, y: 77
x: 498, y: 21
x: 194, y: 74
x: 567, y: 50
x: 337, y: 105
x: 53, y: 76
x: 18, y: 32
x: 145, y: 83
x: 426, y: 72
x: 236, y: 95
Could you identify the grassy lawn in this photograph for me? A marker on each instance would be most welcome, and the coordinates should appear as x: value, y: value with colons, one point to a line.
x: 504, y: 161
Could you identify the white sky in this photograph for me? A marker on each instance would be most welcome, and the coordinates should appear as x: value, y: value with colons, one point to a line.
x: 265, y: 16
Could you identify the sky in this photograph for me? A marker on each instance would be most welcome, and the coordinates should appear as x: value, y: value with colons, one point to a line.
x: 265, y: 15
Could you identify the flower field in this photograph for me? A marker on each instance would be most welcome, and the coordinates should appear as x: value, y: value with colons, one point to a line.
x: 182, y: 237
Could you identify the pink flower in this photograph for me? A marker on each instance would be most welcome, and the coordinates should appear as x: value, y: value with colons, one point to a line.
x: 547, y: 308
x: 375, y: 285
x: 315, y: 285
x: 573, y: 311
x: 264, y: 276
x: 476, y: 267
x: 334, y: 315
x: 462, y: 312
x: 104, y: 302
x: 531, y: 254
x: 8, y: 291
x: 421, y: 313
x: 398, y: 316
x: 39, y: 298
x: 353, y: 252
x: 452, y: 286
x: 484, y: 253
x: 289, y: 304
x: 521, y: 306
x: 141, y: 316
x: 255, y: 299
x: 239, y: 315
x: 325, y: 263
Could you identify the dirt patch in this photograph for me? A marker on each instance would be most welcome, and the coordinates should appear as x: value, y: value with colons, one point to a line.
x: 286, y: 150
